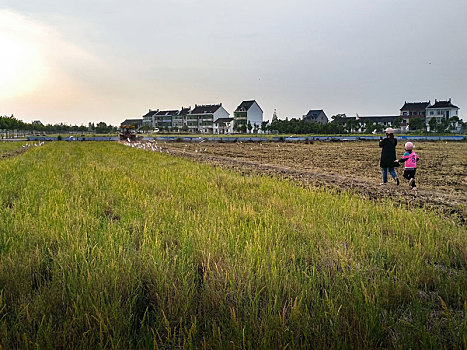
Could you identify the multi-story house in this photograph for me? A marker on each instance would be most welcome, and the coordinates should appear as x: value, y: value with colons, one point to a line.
x: 163, y: 119
x: 179, y: 118
x: 316, y: 116
x: 442, y: 111
x: 412, y: 110
x: 202, y: 117
x: 248, y: 113
x: 148, y: 118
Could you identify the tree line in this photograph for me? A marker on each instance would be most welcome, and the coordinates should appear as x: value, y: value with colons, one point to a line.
x: 339, y: 125
x: 10, y: 123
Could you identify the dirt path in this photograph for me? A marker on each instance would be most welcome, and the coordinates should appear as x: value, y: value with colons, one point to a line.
x: 451, y: 204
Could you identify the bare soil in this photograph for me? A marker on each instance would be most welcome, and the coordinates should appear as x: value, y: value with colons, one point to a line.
x: 348, y: 166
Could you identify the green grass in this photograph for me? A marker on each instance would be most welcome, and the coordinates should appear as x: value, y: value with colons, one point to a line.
x: 6, y: 147
x: 104, y: 246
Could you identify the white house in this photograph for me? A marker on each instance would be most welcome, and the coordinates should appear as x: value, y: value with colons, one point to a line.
x: 223, y: 126
x: 149, y: 118
x: 442, y: 111
x: 202, y: 117
x: 248, y: 113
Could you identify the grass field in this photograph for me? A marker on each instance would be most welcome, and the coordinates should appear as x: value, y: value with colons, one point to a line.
x: 6, y: 147
x: 104, y: 246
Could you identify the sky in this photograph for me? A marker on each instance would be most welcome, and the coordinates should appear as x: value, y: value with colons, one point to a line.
x: 87, y: 61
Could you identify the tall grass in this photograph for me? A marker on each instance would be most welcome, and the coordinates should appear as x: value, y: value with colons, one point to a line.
x: 6, y: 147
x: 105, y: 246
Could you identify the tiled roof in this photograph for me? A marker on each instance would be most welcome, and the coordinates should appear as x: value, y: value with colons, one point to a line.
x: 223, y: 120
x: 132, y: 121
x: 415, y: 106
x: 184, y: 111
x: 167, y: 112
x: 244, y: 106
x: 314, y: 113
x: 150, y: 113
x: 443, y: 104
x: 205, y: 109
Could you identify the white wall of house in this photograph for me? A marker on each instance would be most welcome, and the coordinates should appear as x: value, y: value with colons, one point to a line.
x: 254, y: 115
x: 220, y: 113
x: 223, y: 129
x: 440, y: 114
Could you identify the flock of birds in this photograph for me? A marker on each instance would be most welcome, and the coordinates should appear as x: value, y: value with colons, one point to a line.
x: 27, y: 145
x: 155, y: 147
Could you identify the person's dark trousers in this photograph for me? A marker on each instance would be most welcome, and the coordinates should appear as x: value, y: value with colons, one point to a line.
x: 410, y: 174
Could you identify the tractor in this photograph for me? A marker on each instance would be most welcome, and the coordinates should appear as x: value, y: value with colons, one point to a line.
x: 127, y: 133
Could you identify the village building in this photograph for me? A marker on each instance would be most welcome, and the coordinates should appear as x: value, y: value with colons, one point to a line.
x: 179, y: 118
x: 137, y: 123
x: 359, y: 123
x: 411, y: 110
x: 248, y: 113
x: 441, y: 111
x: 316, y: 116
x: 149, y: 118
x: 382, y: 121
x: 163, y: 119
x: 223, y: 126
x: 201, y: 119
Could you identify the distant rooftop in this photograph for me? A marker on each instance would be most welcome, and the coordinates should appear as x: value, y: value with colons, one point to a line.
x: 443, y: 104
x: 205, y: 109
x: 415, y: 106
x: 244, y: 106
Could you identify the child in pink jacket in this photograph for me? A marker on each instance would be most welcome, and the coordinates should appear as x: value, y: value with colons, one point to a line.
x: 410, y: 164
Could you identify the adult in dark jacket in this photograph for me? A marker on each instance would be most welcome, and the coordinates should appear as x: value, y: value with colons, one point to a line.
x: 388, y: 155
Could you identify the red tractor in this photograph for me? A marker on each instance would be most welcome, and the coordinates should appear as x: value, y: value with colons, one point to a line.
x: 127, y: 133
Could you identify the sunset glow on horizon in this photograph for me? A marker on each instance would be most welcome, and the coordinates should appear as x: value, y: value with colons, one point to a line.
x: 22, y: 62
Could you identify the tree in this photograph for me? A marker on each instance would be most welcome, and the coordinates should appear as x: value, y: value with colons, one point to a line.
x: 432, y: 123
x: 441, y: 126
x: 369, y: 126
x: 146, y: 128
x: 337, y: 119
x: 378, y: 127
x: 352, y: 125
x: 453, y: 122
x: 416, y: 124
x: 250, y: 127
x: 397, y: 123
x: 264, y: 126
x: 255, y: 128
x: 101, y: 128
x: 463, y: 126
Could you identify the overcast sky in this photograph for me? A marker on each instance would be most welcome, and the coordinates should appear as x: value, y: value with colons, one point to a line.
x: 101, y: 60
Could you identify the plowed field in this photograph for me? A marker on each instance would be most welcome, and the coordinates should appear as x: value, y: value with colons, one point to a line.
x: 441, y: 174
